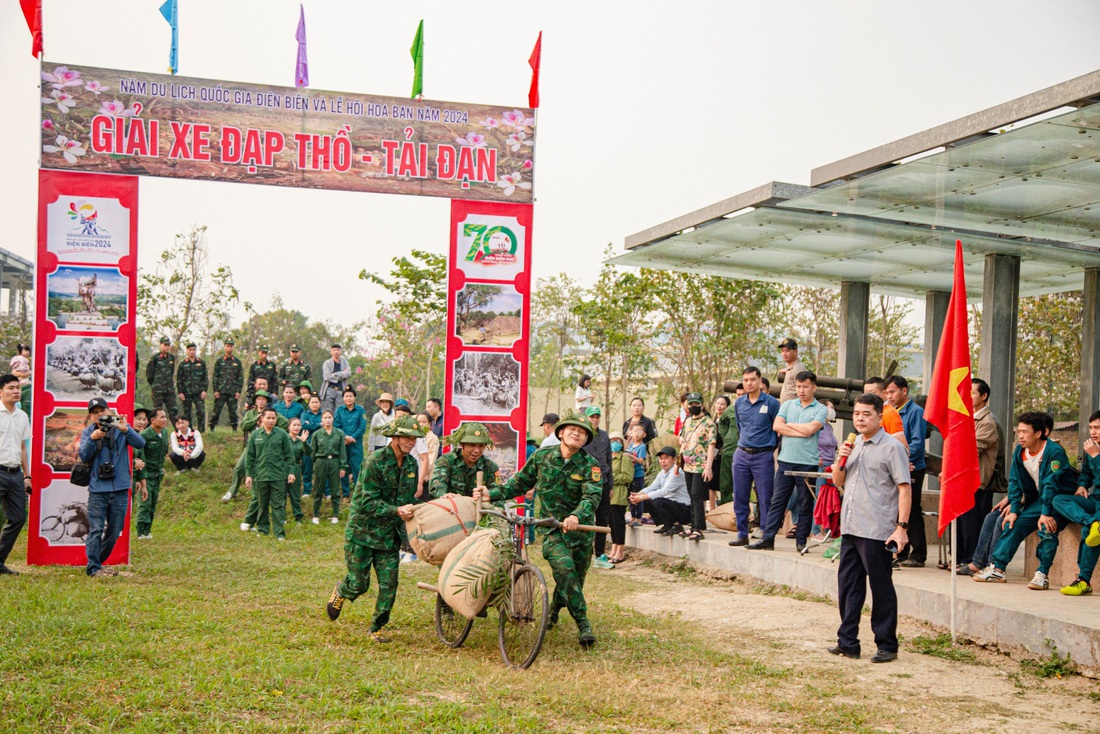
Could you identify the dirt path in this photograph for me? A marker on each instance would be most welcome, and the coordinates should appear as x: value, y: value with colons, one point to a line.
x: 917, y: 693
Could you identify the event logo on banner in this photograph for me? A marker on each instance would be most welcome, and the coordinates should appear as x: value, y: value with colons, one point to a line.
x: 107, y: 121
x: 84, y: 342
x: 488, y: 324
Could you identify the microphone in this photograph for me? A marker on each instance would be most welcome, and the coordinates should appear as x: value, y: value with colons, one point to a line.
x: 851, y: 441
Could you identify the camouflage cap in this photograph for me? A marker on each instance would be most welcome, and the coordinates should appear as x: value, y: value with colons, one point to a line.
x: 230, y: 342
x: 470, y: 432
x: 405, y: 426
x: 165, y: 340
x: 574, y: 419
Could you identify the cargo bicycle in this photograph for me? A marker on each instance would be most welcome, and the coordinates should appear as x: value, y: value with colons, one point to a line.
x: 523, y: 608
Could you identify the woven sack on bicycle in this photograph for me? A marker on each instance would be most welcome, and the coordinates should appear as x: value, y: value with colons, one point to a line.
x: 471, y: 574
x: 438, y: 526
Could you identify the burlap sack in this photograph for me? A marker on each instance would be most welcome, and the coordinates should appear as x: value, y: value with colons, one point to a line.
x: 722, y: 517
x: 475, y: 554
x: 439, y: 525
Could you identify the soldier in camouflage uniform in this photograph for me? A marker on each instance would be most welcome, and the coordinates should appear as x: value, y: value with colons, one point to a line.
x: 294, y: 370
x: 262, y: 367
x: 569, y: 488
x: 161, y: 374
x: 382, y: 500
x: 156, y: 448
x: 456, y: 472
x: 228, y: 381
x: 191, y: 381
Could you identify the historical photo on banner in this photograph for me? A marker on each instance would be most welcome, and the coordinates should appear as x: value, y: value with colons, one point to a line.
x: 488, y: 315
x: 79, y: 368
x: 87, y: 298
x: 63, y: 429
x: 108, y: 121
x: 63, y: 513
x: 486, y: 384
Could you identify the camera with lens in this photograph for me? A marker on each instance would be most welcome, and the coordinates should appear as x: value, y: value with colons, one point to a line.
x: 106, y: 471
x: 105, y: 421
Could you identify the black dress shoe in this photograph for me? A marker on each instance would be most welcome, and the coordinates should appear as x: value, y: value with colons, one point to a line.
x: 884, y: 657
x: 800, y: 547
x: 838, y: 650
x: 676, y: 529
x: 739, y: 542
x: 661, y: 530
x: 762, y: 545
x: 5, y: 571
x: 910, y: 563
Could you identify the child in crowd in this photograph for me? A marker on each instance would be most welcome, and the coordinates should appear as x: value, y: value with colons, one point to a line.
x: 622, y: 467
x: 636, y: 451
x: 299, y: 445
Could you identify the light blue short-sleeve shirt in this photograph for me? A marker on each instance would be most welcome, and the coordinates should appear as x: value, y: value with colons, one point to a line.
x: 801, y: 450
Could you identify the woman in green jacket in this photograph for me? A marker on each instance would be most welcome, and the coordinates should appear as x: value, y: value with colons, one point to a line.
x: 622, y: 467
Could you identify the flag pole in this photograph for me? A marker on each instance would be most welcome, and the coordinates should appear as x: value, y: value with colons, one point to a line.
x: 954, y: 579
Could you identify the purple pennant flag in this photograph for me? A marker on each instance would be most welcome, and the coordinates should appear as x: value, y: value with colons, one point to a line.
x: 301, y: 71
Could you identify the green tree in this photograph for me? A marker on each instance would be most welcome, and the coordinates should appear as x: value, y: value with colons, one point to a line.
x: 1048, y: 354
x: 554, y: 335
x: 889, y: 335
x: 812, y: 317
x: 182, y: 297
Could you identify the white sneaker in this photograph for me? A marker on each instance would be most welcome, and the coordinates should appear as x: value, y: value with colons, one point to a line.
x: 145, y: 537
x: 990, y: 574
x: 281, y: 540
x: 1039, y: 582
x: 227, y: 496
x: 245, y: 527
x: 316, y: 521
x: 335, y: 520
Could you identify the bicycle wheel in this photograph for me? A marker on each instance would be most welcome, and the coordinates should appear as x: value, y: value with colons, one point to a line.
x: 451, y: 627
x: 524, y: 617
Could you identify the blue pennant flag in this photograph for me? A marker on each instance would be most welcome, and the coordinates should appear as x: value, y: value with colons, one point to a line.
x: 171, y: 14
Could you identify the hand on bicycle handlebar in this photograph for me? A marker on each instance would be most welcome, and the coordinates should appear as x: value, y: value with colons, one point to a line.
x: 570, y: 523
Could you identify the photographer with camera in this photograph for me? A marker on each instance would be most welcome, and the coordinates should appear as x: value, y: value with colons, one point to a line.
x: 103, y: 447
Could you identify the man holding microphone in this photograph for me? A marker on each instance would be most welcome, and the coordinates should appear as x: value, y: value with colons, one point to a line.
x: 873, y: 472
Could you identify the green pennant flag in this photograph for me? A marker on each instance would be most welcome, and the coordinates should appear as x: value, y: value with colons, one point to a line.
x: 417, y: 52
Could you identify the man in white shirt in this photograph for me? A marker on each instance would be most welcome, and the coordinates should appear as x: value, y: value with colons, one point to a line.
x: 548, y: 422
x: 668, y: 501
x: 186, y: 449
x: 15, y: 480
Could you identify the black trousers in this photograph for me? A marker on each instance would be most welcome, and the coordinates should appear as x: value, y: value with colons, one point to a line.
x: 603, y: 513
x: 863, y: 560
x: 697, y: 490
x: 617, y: 520
x: 917, y: 550
x: 667, y: 512
x: 193, y: 463
x: 970, y: 525
x: 13, y: 498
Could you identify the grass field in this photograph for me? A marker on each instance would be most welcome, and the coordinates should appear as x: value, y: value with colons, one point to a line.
x: 219, y: 630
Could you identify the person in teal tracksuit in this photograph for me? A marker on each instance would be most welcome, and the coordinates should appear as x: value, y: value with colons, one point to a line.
x: 288, y: 407
x: 352, y: 420
x: 1040, y: 472
x: 311, y: 423
x: 1083, y: 508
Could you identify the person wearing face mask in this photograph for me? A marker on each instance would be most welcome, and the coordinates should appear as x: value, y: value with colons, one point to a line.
x: 697, y: 451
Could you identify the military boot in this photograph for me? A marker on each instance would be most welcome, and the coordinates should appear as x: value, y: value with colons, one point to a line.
x: 335, y: 604
x: 587, y: 637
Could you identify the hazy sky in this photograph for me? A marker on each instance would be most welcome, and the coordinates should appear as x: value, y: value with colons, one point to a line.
x: 650, y: 109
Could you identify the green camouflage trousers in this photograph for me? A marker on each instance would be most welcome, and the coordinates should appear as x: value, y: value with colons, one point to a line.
x: 326, y: 477
x: 570, y: 565
x: 360, y: 559
x: 147, y: 508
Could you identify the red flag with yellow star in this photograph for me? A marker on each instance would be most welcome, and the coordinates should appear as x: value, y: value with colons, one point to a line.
x: 950, y: 407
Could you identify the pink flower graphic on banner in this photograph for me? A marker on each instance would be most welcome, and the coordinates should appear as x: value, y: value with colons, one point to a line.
x: 69, y: 149
x: 114, y: 108
x: 62, y: 77
x: 490, y: 123
x: 517, y: 140
x: 510, y: 182
x: 95, y: 87
x: 474, y: 140
x: 47, y: 124
x: 517, y: 119
x: 528, y: 164
x: 63, y: 100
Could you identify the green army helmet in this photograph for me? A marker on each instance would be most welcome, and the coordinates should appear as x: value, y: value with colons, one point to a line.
x: 305, y: 383
x: 139, y: 408
x: 574, y: 419
x: 263, y: 393
x: 470, y: 432
x: 405, y: 426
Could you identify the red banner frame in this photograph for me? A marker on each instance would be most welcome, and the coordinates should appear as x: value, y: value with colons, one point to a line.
x: 494, y: 270
x: 88, y: 192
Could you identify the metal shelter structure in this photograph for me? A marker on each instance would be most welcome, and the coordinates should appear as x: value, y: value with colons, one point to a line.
x: 1018, y: 183
x: 17, y: 276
